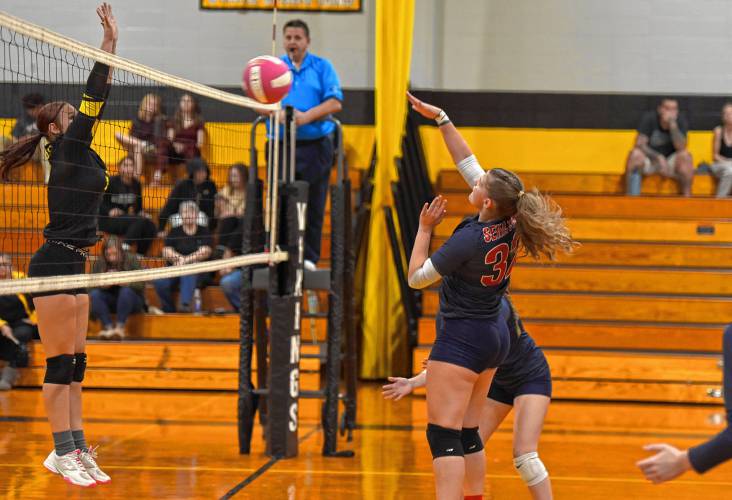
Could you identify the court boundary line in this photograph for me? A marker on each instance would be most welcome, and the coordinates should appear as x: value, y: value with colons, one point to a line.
x: 263, y: 468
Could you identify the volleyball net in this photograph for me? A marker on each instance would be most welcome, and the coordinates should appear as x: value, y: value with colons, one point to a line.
x: 176, y: 151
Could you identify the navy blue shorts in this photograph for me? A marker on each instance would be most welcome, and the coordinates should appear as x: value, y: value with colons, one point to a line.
x: 541, y: 385
x: 474, y: 343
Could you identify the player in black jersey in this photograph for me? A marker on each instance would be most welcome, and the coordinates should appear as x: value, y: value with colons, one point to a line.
x: 475, y: 267
x: 77, y: 181
x: 523, y: 381
x: 669, y: 462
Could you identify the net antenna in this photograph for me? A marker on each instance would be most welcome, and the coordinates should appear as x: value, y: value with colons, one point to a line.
x: 273, y: 166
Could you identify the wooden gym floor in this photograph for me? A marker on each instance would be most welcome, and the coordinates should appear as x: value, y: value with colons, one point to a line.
x: 183, y: 445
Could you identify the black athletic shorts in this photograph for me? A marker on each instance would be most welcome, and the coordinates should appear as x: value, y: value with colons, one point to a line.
x: 476, y: 344
x: 56, y: 258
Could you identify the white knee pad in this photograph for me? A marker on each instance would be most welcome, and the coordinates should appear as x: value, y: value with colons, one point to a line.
x: 530, y: 468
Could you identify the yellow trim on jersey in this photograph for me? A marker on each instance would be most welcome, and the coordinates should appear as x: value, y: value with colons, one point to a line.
x: 90, y: 107
x: 106, y: 180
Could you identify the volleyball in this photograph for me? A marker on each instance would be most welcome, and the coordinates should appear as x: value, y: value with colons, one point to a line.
x: 267, y: 79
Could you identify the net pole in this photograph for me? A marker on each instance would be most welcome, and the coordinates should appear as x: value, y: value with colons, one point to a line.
x: 274, y: 189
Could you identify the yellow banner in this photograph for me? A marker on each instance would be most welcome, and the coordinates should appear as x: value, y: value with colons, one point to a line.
x: 301, y: 5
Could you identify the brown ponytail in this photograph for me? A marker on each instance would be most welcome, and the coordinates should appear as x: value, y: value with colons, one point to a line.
x: 539, y: 222
x: 21, y: 152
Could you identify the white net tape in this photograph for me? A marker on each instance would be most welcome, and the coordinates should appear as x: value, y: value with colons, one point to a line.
x: 46, y: 284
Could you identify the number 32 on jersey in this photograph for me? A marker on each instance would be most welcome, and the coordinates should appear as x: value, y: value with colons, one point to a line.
x: 500, y: 258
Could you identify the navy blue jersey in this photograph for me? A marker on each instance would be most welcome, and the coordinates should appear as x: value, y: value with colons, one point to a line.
x: 475, y: 265
x: 525, y: 360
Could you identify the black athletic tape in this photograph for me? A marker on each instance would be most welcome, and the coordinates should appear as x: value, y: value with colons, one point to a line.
x: 60, y: 369
x: 470, y: 438
x: 444, y: 442
x: 79, y: 367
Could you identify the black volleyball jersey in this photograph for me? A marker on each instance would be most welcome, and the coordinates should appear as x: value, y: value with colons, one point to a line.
x: 78, y: 175
x: 475, y: 264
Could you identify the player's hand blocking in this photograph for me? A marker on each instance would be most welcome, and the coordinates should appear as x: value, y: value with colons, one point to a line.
x: 432, y: 213
x: 109, y: 23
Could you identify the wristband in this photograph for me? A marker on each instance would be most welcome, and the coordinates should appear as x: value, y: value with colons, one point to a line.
x: 442, y: 118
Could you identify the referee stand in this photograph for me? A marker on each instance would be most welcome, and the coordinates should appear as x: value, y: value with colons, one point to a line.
x: 277, y: 292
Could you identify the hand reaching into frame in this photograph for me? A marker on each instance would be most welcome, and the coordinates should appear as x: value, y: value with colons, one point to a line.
x: 398, y: 388
x: 427, y: 110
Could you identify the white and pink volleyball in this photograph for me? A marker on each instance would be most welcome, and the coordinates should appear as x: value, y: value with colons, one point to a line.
x: 267, y: 79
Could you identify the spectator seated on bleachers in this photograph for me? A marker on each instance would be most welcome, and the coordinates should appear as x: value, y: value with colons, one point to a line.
x: 197, y: 188
x: 123, y: 300
x: 121, y: 211
x: 660, y: 148
x: 230, y: 281
x: 17, y: 327
x: 147, y: 137
x: 25, y: 125
x: 230, y: 202
x: 722, y: 147
x: 185, y: 244
x: 185, y: 137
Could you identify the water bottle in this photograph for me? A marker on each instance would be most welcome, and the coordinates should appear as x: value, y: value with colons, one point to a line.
x: 197, y: 302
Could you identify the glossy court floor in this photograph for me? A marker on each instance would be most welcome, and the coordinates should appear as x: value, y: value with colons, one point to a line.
x: 184, y: 445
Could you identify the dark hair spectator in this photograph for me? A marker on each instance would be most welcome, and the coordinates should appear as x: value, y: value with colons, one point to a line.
x: 121, y: 210
x: 123, y: 300
x: 26, y: 126
x: 660, y: 148
x: 198, y: 187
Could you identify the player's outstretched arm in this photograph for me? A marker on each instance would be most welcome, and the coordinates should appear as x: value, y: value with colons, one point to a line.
x: 400, y: 387
x: 667, y: 464
x: 459, y: 150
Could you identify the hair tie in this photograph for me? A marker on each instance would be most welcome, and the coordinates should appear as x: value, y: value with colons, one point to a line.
x: 521, y: 193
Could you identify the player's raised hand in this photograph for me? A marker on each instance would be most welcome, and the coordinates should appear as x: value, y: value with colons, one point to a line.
x: 398, y: 388
x: 109, y: 23
x: 427, y: 110
x: 433, y: 213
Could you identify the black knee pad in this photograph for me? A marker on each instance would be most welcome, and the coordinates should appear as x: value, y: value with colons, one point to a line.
x: 471, y: 441
x: 80, y: 366
x: 60, y: 369
x: 444, y: 442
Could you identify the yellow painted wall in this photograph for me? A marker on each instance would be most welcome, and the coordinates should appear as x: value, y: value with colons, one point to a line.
x: 548, y: 150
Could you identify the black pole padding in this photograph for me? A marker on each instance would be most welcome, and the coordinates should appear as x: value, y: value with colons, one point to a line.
x: 252, y: 241
x: 349, y: 313
x: 283, y: 383
x: 285, y: 302
x: 335, y: 320
x: 261, y: 340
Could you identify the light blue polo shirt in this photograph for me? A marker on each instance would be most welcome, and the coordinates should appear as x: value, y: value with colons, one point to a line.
x: 314, y: 83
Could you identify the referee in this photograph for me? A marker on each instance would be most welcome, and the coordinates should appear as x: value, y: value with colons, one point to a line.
x: 75, y: 188
x: 315, y: 94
